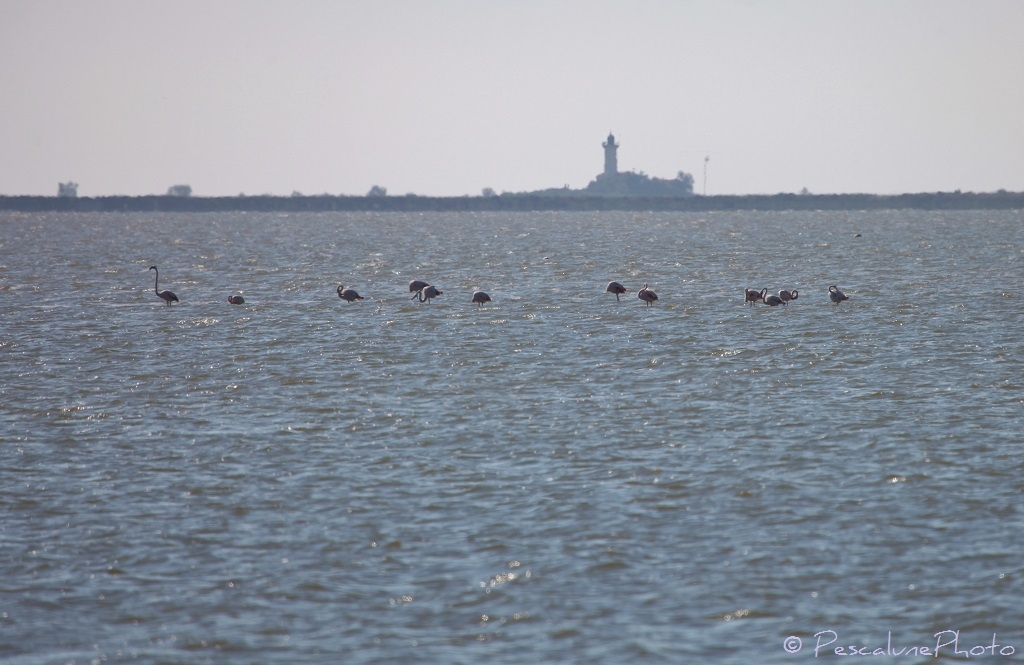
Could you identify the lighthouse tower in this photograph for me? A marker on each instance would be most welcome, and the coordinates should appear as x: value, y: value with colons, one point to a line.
x: 611, y: 162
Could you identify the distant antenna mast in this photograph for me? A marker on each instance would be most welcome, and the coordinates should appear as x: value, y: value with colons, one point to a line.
x: 707, y: 159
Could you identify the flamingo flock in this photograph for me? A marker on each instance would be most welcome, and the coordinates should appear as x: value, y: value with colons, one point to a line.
x: 783, y: 297
x: 424, y: 292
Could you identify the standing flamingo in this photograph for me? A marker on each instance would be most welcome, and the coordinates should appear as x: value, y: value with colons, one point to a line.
x: 647, y: 295
x: 417, y: 285
x: 753, y: 295
x: 236, y: 300
x: 166, y: 296
x: 428, y: 292
x: 835, y: 295
x: 616, y: 288
x: 789, y: 295
x: 348, y: 294
x: 479, y: 297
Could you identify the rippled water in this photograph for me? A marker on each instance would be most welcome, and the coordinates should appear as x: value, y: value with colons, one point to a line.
x: 553, y: 477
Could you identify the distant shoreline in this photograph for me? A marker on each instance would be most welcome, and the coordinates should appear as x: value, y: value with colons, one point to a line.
x: 516, y: 203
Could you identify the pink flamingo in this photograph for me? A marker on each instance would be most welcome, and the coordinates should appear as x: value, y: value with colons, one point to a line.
x: 835, y: 295
x: 348, y: 294
x: 427, y: 292
x: 647, y: 295
x: 417, y: 285
x: 616, y: 288
x: 753, y: 295
x: 166, y: 296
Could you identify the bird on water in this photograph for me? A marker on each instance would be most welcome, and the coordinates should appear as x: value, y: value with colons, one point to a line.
x: 647, y: 295
x: 167, y: 296
x: 236, y: 300
x: 753, y: 295
x: 479, y: 297
x: 789, y: 295
x: 835, y: 295
x: 348, y: 294
x: 427, y: 292
x: 774, y: 300
x: 417, y: 285
x: 616, y: 288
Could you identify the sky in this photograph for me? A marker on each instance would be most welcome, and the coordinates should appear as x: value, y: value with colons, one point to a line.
x: 449, y: 97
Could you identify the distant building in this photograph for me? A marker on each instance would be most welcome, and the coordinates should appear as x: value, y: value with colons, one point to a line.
x: 611, y: 161
x: 613, y: 183
x: 67, y: 190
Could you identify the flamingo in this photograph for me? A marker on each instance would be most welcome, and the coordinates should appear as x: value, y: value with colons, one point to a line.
x: 835, y: 295
x: 429, y: 291
x: 166, y: 296
x: 417, y: 285
x: 647, y: 295
x: 774, y: 300
x: 236, y: 300
x: 479, y: 297
x: 616, y: 288
x: 789, y: 295
x: 753, y: 295
x: 348, y: 294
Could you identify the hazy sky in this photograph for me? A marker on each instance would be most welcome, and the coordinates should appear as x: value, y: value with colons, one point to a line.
x: 447, y: 97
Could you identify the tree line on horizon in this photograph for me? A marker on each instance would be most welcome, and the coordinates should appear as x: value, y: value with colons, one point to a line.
x: 548, y: 200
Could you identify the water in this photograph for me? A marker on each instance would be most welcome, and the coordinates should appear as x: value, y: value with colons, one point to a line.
x: 553, y: 477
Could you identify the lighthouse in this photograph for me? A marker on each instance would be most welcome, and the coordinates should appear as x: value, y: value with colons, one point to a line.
x: 611, y: 162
